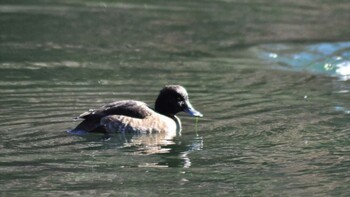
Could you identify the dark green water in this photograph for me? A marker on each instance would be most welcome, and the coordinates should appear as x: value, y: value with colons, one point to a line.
x: 271, y: 78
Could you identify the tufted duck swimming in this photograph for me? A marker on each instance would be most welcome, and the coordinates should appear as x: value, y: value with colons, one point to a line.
x: 136, y: 116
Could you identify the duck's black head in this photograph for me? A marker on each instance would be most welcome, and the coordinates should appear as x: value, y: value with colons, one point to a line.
x: 173, y: 99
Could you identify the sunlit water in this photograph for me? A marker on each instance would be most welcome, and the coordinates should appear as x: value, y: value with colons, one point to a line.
x: 325, y: 58
x: 276, y: 112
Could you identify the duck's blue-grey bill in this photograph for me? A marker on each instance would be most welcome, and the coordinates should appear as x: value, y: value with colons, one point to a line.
x: 192, y: 112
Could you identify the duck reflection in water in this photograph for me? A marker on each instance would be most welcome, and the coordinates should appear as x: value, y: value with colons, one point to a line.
x: 173, y: 151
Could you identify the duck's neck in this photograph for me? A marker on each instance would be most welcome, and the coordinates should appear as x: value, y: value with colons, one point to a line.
x: 159, y: 107
x: 162, y: 108
x: 178, y: 123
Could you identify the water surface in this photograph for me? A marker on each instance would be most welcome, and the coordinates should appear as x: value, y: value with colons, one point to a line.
x: 272, y: 80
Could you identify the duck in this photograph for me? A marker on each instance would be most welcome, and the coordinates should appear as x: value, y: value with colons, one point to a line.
x: 137, y: 116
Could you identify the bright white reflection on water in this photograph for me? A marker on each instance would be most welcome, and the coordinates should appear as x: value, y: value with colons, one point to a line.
x: 343, y: 69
